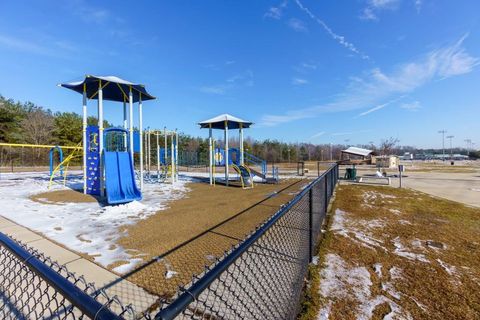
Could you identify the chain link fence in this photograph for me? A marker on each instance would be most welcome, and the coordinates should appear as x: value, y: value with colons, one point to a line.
x: 32, y: 286
x: 260, y: 278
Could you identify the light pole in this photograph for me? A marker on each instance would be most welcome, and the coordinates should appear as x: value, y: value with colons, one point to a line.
x: 443, y: 142
x: 450, y: 137
x: 468, y: 142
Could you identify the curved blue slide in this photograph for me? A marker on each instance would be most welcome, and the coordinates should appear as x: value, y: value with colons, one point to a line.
x: 120, y: 178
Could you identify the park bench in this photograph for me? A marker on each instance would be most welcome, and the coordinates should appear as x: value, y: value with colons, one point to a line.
x: 374, y: 180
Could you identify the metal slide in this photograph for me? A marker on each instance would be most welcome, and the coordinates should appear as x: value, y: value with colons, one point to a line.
x: 120, y: 178
x: 245, y: 176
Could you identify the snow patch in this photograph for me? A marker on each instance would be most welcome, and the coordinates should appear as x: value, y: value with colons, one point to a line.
x: 348, y: 228
x: 90, y: 228
x: 342, y: 282
x: 451, y: 270
x: 401, y: 251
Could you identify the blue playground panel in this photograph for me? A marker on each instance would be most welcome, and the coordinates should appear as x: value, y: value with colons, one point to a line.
x: 136, y: 142
x: 93, y: 161
x: 120, y: 178
x: 233, y: 157
x: 169, y: 155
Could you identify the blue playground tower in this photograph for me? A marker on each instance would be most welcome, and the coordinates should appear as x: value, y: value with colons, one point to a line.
x: 108, y: 154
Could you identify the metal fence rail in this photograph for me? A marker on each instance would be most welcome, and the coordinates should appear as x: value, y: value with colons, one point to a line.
x: 263, y: 277
x: 34, y: 287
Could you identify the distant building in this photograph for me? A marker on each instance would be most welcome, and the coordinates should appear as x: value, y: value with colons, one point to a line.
x: 356, y: 152
x: 385, y: 161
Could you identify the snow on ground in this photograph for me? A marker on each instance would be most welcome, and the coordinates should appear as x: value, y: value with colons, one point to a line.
x: 401, y: 250
x: 89, y: 228
x: 341, y: 281
x: 358, y: 230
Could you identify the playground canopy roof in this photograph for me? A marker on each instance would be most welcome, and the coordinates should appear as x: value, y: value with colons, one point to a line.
x: 114, y: 88
x: 357, y: 151
x: 218, y: 122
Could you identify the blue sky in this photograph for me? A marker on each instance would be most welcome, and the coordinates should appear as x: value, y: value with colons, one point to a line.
x: 302, y: 70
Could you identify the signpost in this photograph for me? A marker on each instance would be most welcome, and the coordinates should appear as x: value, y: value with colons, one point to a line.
x: 401, y: 168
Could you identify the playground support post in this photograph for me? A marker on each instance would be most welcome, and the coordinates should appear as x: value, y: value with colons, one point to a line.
x: 241, y: 144
x: 100, y: 136
x: 140, y: 129
x: 149, y: 155
x: 176, y: 155
x: 158, y: 155
x: 125, y: 124
x: 166, y: 145
x: 84, y: 133
x: 130, y: 107
x: 226, y: 153
x: 210, y: 149
x: 172, y: 157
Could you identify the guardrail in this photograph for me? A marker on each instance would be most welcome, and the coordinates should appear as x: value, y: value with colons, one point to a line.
x: 263, y: 276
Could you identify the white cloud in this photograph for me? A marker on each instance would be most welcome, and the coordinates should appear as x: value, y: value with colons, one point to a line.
x: 383, y: 4
x: 370, y: 12
x: 309, y: 66
x: 349, y: 133
x: 297, y: 25
x: 299, y: 81
x: 276, y: 12
x: 42, y: 45
x: 379, y: 107
x: 243, y: 79
x: 340, y: 39
x: 377, y: 86
x: 215, y: 89
x: 319, y: 134
x: 412, y: 106
x: 418, y: 5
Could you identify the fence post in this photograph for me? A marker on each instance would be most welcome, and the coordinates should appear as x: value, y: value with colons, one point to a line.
x: 310, y: 224
x: 318, y: 168
x: 326, y: 193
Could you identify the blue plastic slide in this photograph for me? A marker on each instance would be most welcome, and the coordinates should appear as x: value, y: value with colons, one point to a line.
x: 120, y: 178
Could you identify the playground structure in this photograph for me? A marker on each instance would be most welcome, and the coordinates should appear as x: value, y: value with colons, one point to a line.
x: 111, y: 170
x: 235, y: 157
x: 165, y: 160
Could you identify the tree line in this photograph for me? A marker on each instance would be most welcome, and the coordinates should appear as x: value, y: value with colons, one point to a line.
x: 26, y: 122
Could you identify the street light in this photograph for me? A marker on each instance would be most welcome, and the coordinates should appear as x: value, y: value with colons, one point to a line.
x: 468, y: 142
x: 450, y: 137
x: 443, y: 142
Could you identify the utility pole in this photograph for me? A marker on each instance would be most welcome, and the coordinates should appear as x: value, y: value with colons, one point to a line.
x: 450, y: 137
x: 443, y: 142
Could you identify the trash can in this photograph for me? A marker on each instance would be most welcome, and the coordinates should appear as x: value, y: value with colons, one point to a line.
x: 351, y: 174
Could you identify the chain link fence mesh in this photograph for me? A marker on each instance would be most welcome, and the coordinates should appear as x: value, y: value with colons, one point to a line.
x: 262, y: 277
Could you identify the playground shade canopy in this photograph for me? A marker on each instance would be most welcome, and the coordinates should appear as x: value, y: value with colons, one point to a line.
x: 218, y: 122
x: 114, y: 88
x: 357, y: 151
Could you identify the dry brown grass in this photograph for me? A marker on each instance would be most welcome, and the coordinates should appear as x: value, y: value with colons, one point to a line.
x: 197, y: 229
x: 439, y: 269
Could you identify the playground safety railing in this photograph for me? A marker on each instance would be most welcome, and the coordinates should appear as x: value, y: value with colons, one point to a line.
x: 32, y: 286
x: 263, y: 277
x: 256, y: 161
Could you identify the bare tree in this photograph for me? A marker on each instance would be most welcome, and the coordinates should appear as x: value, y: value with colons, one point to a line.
x: 387, y: 145
x: 37, y: 126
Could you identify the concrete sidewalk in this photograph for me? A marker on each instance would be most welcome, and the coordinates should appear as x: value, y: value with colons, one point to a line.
x: 113, y: 285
